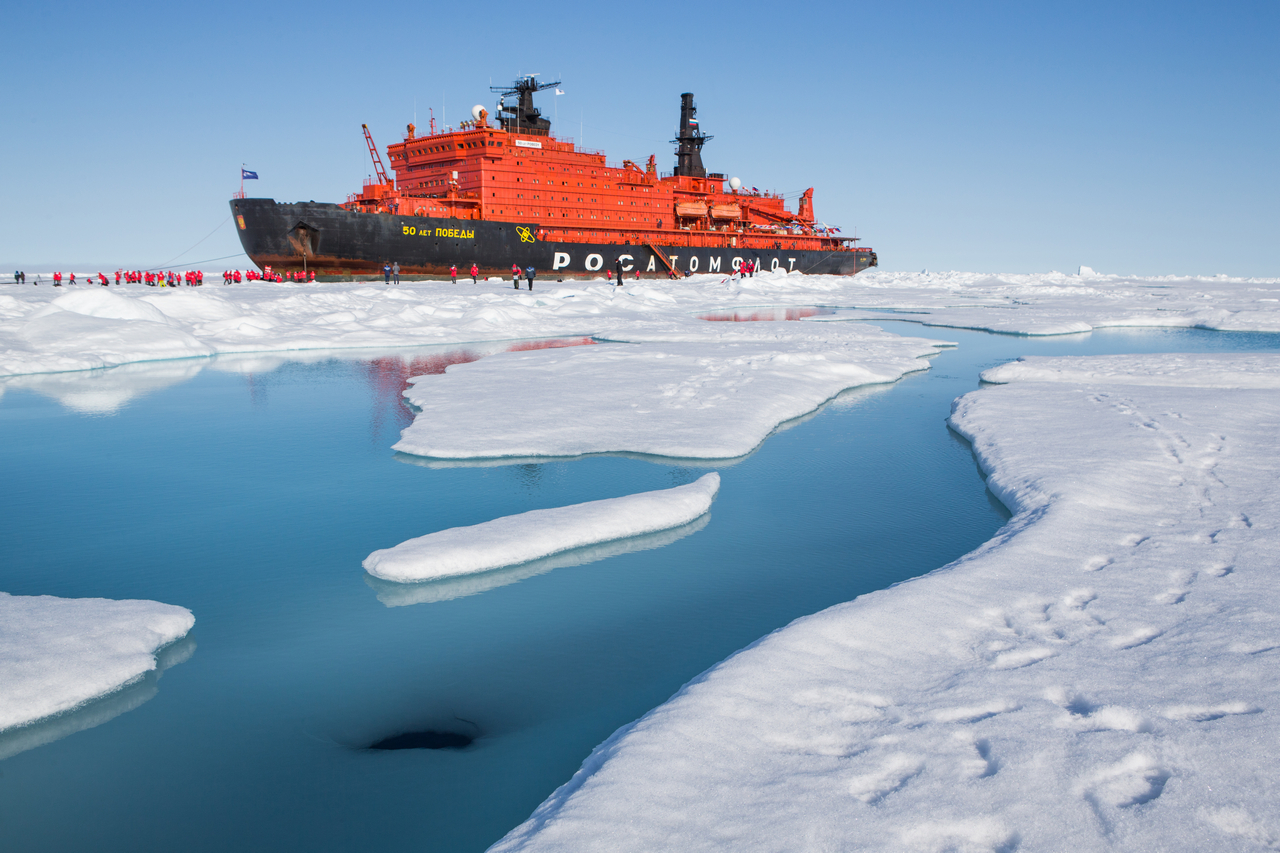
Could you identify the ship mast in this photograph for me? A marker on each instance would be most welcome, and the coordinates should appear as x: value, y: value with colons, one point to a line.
x: 523, y: 116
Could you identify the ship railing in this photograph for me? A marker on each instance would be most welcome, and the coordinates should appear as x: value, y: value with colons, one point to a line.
x: 568, y: 140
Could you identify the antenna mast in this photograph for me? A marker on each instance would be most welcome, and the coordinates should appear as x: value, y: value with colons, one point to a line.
x: 522, y: 116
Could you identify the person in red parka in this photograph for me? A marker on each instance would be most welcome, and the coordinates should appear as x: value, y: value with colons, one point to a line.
x: 475, y: 272
x: 453, y: 273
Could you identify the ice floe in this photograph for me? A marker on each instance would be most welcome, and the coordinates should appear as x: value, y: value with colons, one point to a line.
x: 395, y: 594
x: 57, y: 654
x: 1104, y: 674
x: 693, y: 398
x: 540, y: 533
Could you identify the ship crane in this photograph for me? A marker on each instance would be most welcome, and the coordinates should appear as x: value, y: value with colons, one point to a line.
x: 377, y: 160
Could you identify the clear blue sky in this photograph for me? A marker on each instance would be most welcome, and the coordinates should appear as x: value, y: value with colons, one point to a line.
x: 997, y: 137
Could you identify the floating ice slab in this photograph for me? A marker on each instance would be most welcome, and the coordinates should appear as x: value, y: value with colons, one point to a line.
x: 59, y: 653
x: 394, y: 594
x: 709, y: 399
x: 1102, y: 675
x: 96, y: 711
x: 540, y: 533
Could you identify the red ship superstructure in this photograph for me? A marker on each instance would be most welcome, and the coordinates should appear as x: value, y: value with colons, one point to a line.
x: 517, y: 171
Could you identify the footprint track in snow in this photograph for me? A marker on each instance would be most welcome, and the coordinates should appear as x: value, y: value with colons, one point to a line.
x: 896, y: 771
x: 1133, y: 781
x: 1137, y: 637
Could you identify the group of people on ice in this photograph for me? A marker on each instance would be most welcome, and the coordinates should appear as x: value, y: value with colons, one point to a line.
x: 151, y: 278
x: 158, y: 278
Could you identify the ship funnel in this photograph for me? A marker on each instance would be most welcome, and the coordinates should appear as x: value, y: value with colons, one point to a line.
x: 690, y: 140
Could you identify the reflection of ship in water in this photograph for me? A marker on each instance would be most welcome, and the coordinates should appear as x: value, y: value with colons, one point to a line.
x: 765, y: 315
x: 388, y: 376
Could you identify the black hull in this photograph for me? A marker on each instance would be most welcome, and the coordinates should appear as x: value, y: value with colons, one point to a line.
x: 333, y: 241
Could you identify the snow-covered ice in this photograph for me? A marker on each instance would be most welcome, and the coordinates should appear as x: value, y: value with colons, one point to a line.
x: 96, y: 711
x: 43, y: 329
x: 1104, y: 674
x: 713, y: 393
x: 540, y: 533
x: 56, y: 654
x: 1101, y: 675
x: 394, y: 594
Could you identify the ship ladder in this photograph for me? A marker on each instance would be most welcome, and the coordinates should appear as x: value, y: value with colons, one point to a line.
x: 666, y: 262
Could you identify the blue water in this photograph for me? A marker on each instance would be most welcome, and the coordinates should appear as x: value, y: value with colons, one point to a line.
x: 250, y: 493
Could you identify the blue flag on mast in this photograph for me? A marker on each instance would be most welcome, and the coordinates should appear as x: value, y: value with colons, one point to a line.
x: 246, y: 175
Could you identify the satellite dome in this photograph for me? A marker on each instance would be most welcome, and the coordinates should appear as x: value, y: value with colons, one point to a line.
x: 475, y: 111
x: 734, y: 183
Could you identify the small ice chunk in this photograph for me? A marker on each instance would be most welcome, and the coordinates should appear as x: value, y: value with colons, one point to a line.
x: 541, y: 532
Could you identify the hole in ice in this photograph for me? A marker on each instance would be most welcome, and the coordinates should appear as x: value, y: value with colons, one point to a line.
x: 764, y: 315
x: 427, y: 739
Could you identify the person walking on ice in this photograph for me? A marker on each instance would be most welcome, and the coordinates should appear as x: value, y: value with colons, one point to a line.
x: 386, y: 273
x: 395, y: 272
x: 475, y: 273
x: 529, y: 273
x: 617, y: 266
